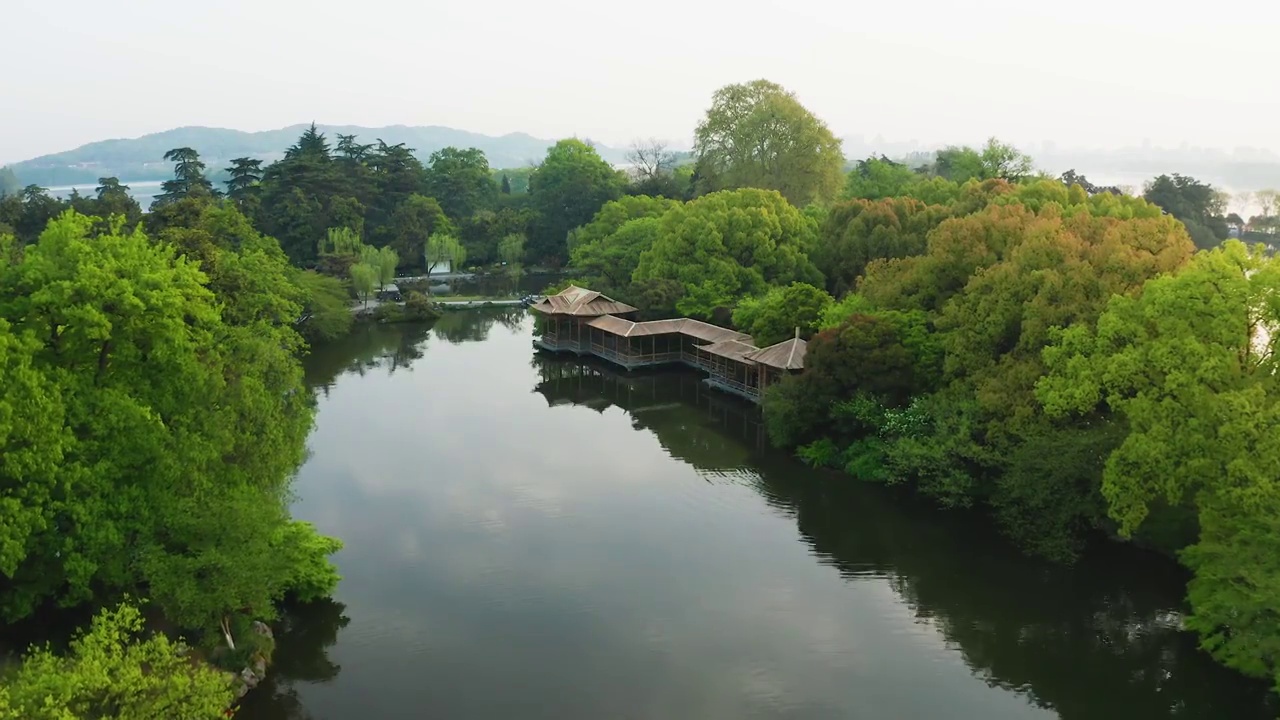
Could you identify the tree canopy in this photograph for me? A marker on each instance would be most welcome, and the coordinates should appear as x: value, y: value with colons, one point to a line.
x: 783, y: 312
x: 460, y: 180
x: 113, y: 670
x: 758, y: 135
x: 567, y: 189
x: 728, y: 244
x: 107, y: 330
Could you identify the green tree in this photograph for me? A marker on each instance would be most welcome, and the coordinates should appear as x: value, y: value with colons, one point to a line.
x: 442, y: 248
x: 483, y: 232
x: 114, y: 670
x: 995, y: 161
x: 758, y: 135
x: 1190, y: 365
x: 506, y: 184
x: 387, y: 262
x: 114, y: 199
x: 511, y: 250
x: 567, y: 190
x: 416, y: 219
x: 606, y: 254
x: 728, y: 244
x: 296, y: 193
x: 188, y: 178
x: 857, y: 232
x: 460, y: 180
x: 876, y: 178
x: 9, y: 183
x: 1196, y: 204
x: 245, y: 174
x: 364, y: 279
x: 782, y: 312
x: 326, y: 314
x: 134, y: 335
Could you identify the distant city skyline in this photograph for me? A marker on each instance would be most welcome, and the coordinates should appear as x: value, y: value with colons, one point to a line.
x: 1090, y: 74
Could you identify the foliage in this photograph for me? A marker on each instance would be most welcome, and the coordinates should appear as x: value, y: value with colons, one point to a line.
x: 443, y: 248
x: 306, y: 553
x: 995, y: 161
x: 243, y: 185
x: 188, y: 178
x: 415, y: 222
x: 9, y: 183
x: 418, y: 307
x: 567, y: 189
x: 511, y: 249
x: 1195, y: 203
x: 113, y: 670
x: 758, y: 135
x: 325, y: 306
x: 728, y: 244
x: 364, y: 280
x: 200, y: 369
x: 856, y: 232
x: 1190, y: 365
x: 781, y: 313
x: 482, y: 233
x: 607, y: 249
x: 460, y: 181
x: 876, y: 178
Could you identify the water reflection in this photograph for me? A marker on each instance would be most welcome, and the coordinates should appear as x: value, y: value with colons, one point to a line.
x: 1097, y: 640
x: 625, y: 545
x: 460, y: 326
x: 304, y: 634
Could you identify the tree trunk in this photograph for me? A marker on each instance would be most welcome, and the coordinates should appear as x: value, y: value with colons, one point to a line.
x: 226, y: 632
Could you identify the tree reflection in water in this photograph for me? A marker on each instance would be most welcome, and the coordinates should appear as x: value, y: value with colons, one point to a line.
x: 304, y: 633
x: 1096, y: 640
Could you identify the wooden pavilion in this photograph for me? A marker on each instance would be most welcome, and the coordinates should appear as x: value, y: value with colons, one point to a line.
x: 568, y: 313
x: 585, y: 322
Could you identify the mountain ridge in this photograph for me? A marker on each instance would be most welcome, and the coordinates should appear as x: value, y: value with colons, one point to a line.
x: 142, y: 158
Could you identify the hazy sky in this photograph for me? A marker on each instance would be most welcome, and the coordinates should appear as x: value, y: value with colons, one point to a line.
x: 1079, y: 73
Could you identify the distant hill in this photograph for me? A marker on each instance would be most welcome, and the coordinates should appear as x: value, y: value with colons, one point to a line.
x: 141, y: 159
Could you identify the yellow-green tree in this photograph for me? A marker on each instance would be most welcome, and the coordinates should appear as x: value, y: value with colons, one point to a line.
x: 132, y: 336
x: 1190, y: 365
x: 782, y: 312
x: 728, y: 244
x: 113, y: 670
x: 757, y: 134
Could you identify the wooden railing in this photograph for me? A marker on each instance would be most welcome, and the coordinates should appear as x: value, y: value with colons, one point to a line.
x: 632, y: 358
x: 740, y: 387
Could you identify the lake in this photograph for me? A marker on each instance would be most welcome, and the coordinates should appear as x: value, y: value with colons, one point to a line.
x: 534, y: 537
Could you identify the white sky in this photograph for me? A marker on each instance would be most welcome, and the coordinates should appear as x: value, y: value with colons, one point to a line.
x: 1083, y: 73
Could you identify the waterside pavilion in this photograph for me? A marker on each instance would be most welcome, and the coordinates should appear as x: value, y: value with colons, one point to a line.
x: 585, y: 322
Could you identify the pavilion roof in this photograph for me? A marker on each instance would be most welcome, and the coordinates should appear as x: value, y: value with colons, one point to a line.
x: 581, y: 302
x: 732, y: 349
x: 684, y: 326
x: 787, y: 355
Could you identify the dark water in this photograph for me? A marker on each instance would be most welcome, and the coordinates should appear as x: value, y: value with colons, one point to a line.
x: 538, y: 538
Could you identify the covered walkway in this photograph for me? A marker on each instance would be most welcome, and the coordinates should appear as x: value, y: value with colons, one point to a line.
x: 586, y: 322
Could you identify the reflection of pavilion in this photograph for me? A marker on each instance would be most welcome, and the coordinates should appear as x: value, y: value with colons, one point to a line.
x: 584, y: 322
x: 712, y: 432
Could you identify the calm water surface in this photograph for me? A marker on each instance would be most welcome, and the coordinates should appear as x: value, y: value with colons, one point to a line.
x: 533, y: 538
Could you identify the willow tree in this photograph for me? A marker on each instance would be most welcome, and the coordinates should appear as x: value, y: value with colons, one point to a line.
x: 758, y: 135
x: 442, y: 248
